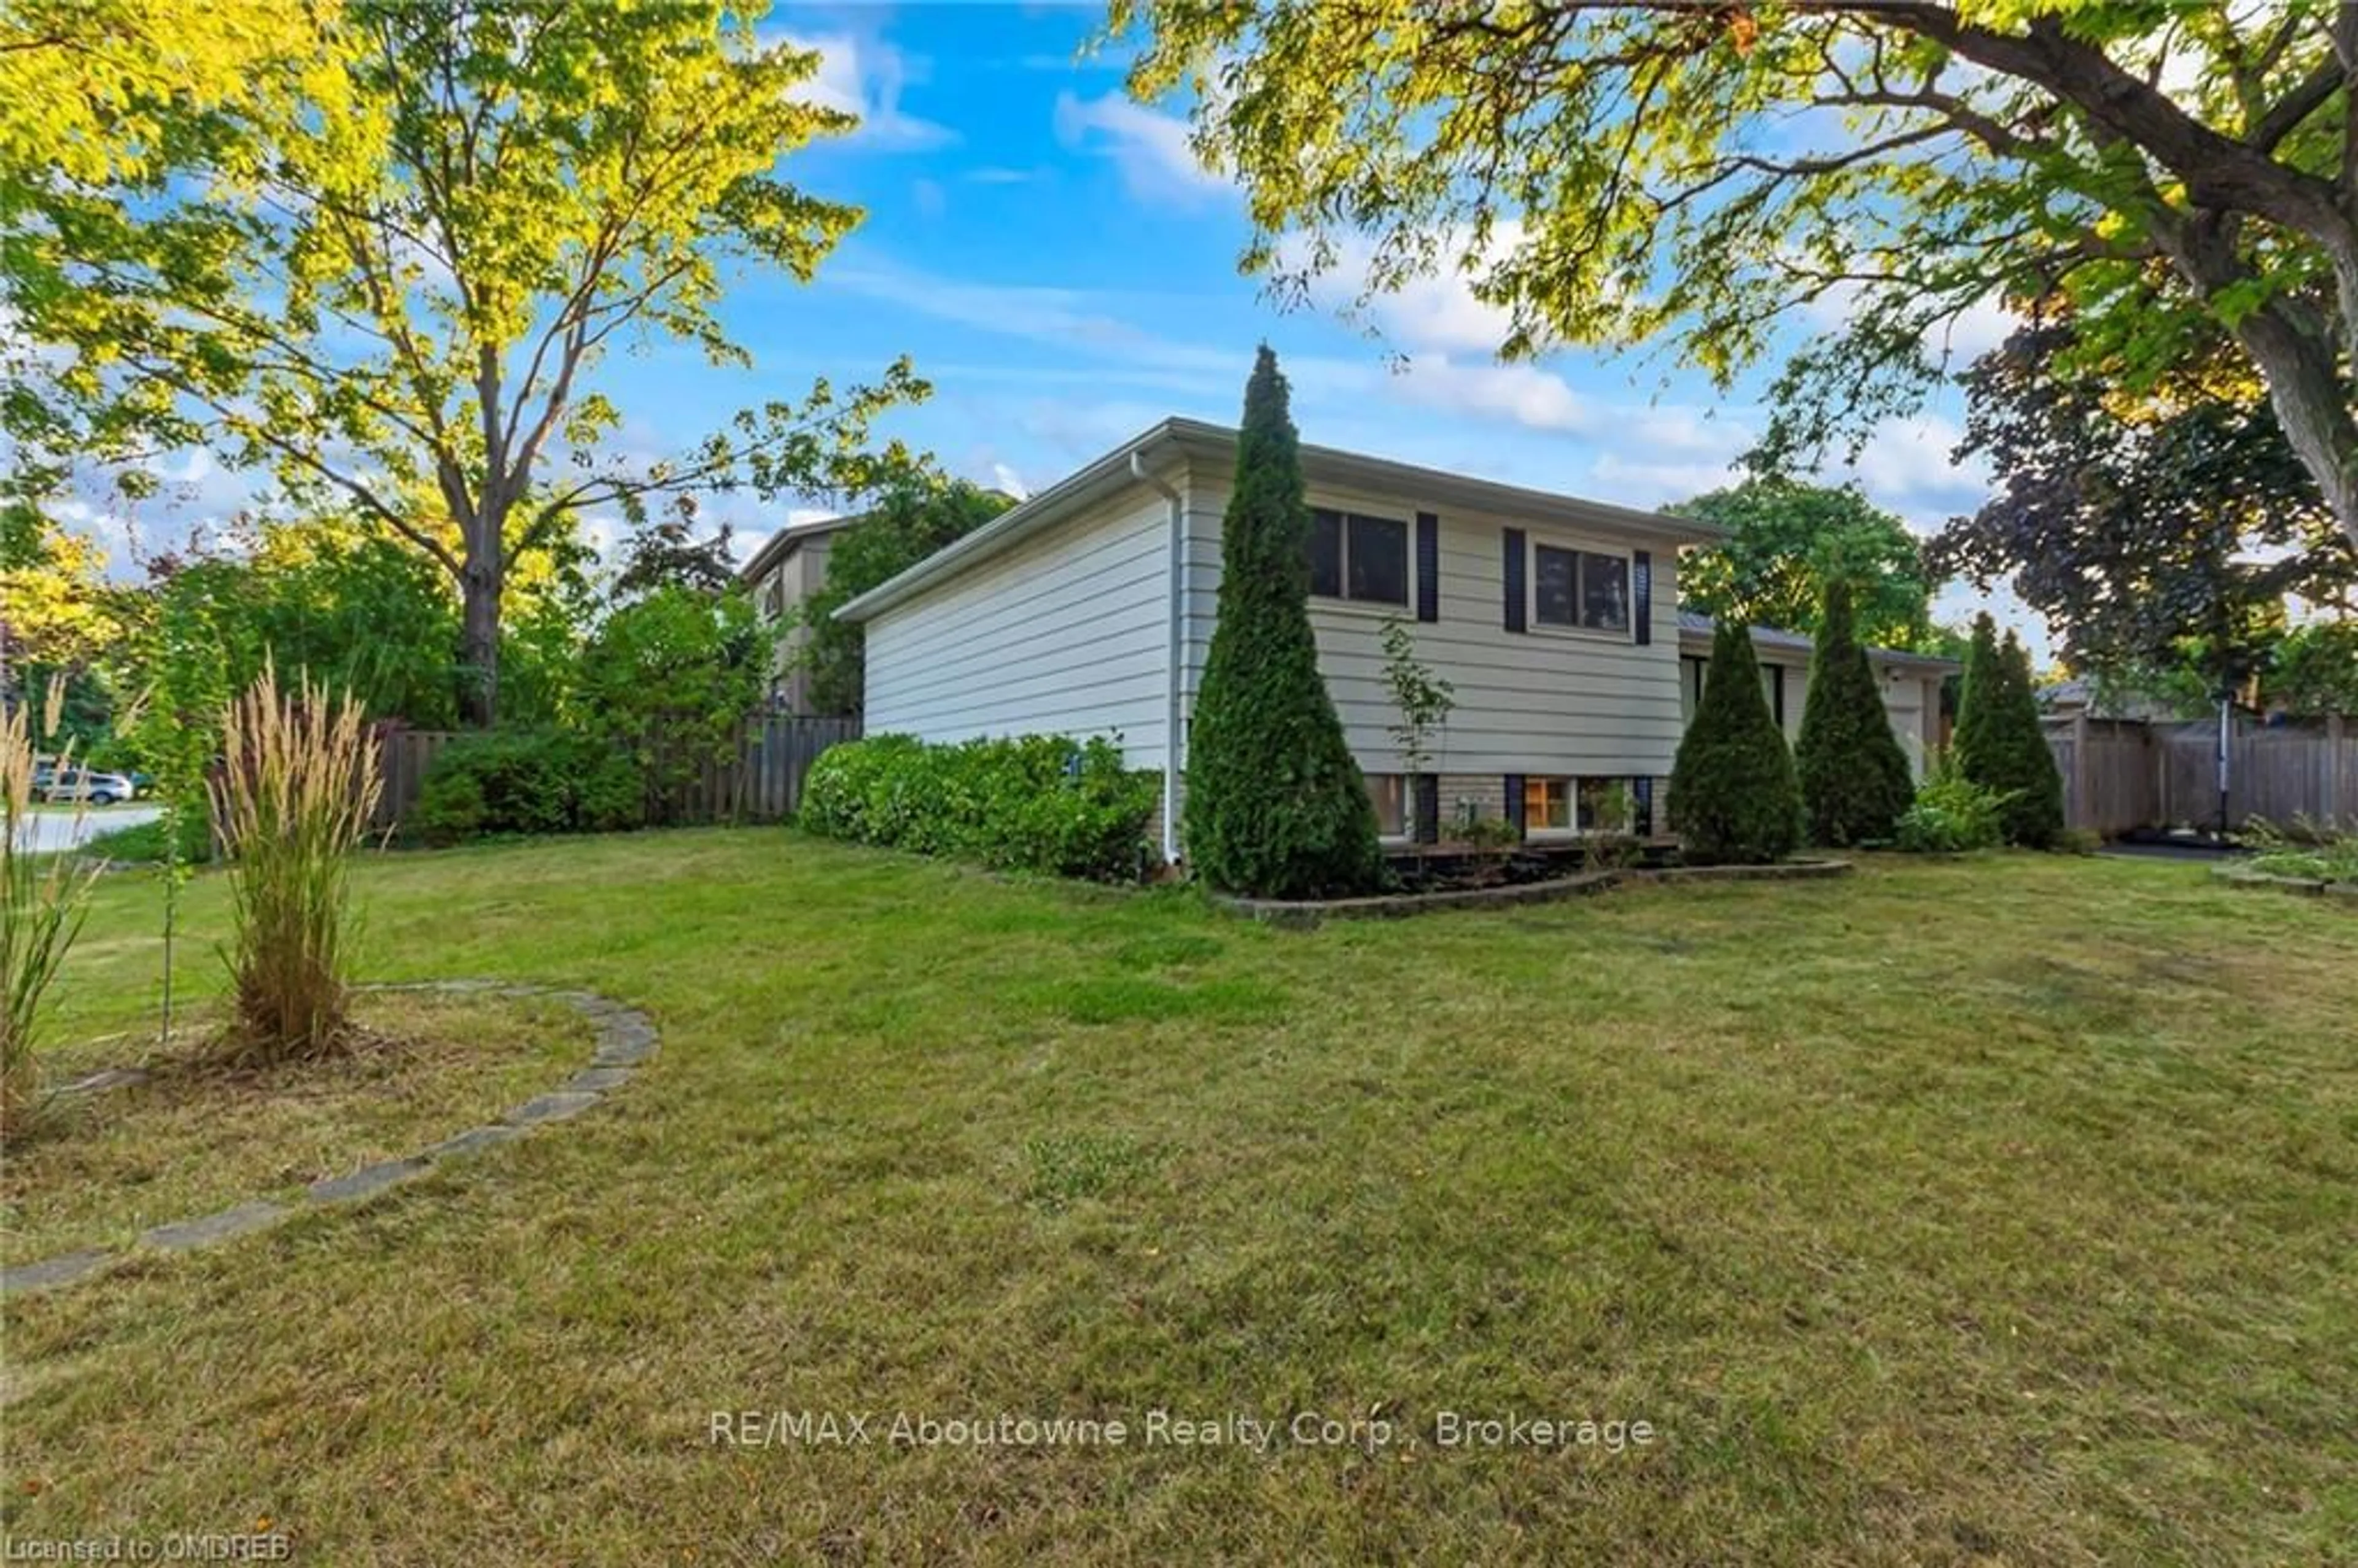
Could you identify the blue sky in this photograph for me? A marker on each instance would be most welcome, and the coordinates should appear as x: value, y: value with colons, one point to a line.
x: 1064, y: 273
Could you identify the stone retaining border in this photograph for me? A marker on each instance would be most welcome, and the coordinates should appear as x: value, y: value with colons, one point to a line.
x: 2244, y: 876
x: 1302, y: 914
x: 625, y: 1039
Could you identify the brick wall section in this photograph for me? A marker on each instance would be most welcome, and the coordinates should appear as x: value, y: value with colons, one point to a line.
x: 1487, y: 791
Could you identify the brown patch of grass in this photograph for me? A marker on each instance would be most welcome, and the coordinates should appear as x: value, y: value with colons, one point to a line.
x: 201, y: 1135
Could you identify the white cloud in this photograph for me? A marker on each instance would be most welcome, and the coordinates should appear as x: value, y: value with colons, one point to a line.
x: 1149, y: 148
x: 864, y: 76
x: 1907, y: 467
x: 1527, y: 394
x: 1438, y: 311
x: 994, y: 174
x: 1009, y: 481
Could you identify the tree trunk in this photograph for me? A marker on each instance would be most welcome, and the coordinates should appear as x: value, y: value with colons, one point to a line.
x: 480, y: 584
x: 2311, y: 407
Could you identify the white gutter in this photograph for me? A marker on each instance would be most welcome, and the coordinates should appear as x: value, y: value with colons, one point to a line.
x: 1174, y: 654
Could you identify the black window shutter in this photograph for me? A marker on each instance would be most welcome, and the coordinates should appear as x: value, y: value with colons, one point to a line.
x: 1515, y: 804
x: 1641, y: 596
x: 1428, y: 567
x: 1428, y: 809
x: 1518, y: 595
x: 1641, y: 793
x: 1776, y: 693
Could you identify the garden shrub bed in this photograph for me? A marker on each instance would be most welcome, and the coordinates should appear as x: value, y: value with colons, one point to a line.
x: 1035, y: 803
x: 1303, y: 913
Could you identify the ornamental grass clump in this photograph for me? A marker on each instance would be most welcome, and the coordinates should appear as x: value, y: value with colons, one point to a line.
x: 44, y: 906
x: 292, y: 800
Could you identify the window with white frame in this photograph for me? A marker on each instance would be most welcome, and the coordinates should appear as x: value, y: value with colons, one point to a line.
x: 1582, y: 589
x: 1389, y: 793
x: 1358, y: 558
x: 1589, y: 804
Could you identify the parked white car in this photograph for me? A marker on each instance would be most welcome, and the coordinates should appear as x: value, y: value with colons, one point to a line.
x: 83, y: 784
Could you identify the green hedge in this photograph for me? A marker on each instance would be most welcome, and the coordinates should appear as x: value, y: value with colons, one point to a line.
x: 1038, y: 803
x: 531, y: 781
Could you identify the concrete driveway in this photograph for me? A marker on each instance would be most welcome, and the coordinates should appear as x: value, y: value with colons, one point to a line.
x: 62, y: 828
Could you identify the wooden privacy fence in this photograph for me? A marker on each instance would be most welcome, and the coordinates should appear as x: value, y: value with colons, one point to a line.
x: 2122, y: 774
x: 760, y: 780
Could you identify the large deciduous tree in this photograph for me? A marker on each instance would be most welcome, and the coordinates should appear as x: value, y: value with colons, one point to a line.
x: 1276, y: 806
x: 2152, y: 533
x: 1613, y: 171
x: 391, y: 270
x: 1788, y: 542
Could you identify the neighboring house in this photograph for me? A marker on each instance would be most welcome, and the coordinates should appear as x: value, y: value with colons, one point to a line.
x: 784, y: 573
x: 1911, y: 683
x: 1088, y: 610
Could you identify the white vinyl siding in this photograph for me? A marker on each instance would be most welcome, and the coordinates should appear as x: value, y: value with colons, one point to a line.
x: 1544, y: 701
x: 1064, y: 634
x: 1904, y: 697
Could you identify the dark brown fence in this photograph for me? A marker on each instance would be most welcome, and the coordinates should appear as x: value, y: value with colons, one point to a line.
x: 761, y: 781
x: 2121, y: 774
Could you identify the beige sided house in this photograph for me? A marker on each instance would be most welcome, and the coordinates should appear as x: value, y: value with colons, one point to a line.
x: 784, y: 572
x: 1087, y: 611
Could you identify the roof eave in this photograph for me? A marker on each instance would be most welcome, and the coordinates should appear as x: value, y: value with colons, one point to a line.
x: 1075, y: 490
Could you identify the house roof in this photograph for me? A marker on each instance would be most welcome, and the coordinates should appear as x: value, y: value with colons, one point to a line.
x: 1696, y: 628
x: 1324, y: 465
x: 786, y: 541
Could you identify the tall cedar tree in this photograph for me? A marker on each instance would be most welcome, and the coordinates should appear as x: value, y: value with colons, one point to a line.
x: 2000, y: 745
x: 1276, y: 807
x: 1854, y: 778
x: 1734, y: 796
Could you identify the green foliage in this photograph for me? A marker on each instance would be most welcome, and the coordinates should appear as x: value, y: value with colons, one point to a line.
x: 1788, y: 543
x: 2136, y: 526
x: 1276, y: 807
x: 501, y: 782
x: 182, y: 837
x: 1708, y: 178
x: 1734, y: 796
x: 1952, y: 814
x: 909, y: 522
x: 1422, y: 699
x: 1854, y: 774
x: 2311, y: 849
x: 2313, y: 670
x: 388, y: 265
x: 1037, y: 803
x: 2000, y: 743
x: 670, y: 678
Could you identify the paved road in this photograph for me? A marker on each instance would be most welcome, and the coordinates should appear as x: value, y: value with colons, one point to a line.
x: 62, y: 828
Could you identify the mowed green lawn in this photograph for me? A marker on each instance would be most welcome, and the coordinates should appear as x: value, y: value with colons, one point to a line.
x: 1998, y: 1211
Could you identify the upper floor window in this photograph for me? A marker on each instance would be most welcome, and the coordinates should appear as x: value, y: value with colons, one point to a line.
x: 1584, y: 589
x: 1354, y: 556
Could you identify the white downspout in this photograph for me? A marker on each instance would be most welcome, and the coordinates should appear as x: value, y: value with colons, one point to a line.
x: 1174, y: 656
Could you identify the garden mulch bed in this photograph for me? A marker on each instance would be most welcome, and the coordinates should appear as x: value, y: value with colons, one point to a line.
x: 1303, y: 914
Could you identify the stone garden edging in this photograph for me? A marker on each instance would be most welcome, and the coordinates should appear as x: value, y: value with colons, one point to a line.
x: 2244, y: 876
x: 625, y: 1038
x: 1305, y: 914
